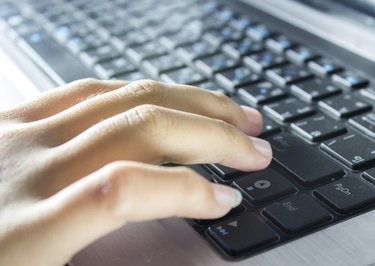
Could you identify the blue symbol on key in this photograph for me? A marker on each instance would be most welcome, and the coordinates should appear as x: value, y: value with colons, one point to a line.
x: 351, y: 79
x: 263, y: 90
x: 222, y: 230
x: 250, y: 188
x: 35, y: 37
x: 328, y: 67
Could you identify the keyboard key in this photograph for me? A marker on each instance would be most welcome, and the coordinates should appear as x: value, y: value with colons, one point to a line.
x: 225, y: 172
x: 108, y: 69
x: 352, y: 149
x: 240, y: 22
x: 242, y: 233
x: 150, y: 49
x: 234, y: 78
x: 364, y: 123
x: 368, y: 93
x: 289, y: 110
x: 270, y: 127
x: 79, y: 43
x: 212, y: 86
x: 307, y: 165
x: 200, y: 169
x: 264, y: 60
x: 314, y: 89
x: 318, y: 128
x: 347, y: 195
x: 324, y: 67
x: 369, y: 175
x: 300, y: 55
x: 297, y: 213
x: 226, y: 34
x: 264, y: 186
x: 133, y: 76
x: 235, y: 211
x: 157, y: 65
x: 348, y: 79
x: 241, y: 48
x: 343, y: 106
x: 261, y: 93
x: 219, y: 62
x: 182, y: 75
x: 100, y: 54
x: 182, y: 37
x: 196, y: 50
x: 278, y: 43
x: 285, y: 75
x: 258, y: 32
x: 128, y: 39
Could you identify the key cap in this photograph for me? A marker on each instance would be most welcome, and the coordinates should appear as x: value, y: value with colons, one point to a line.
x: 79, y: 43
x: 352, y: 149
x: 261, y: 93
x: 182, y: 37
x: 289, y: 110
x: 128, y: 39
x: 368, y: 93
x: 258, y: 32
x: 264, y: 60
x: 279, y: 43
x: 196, y: 50
x: 108, y: 69
x: 347, y: 195
x: 318, y: 128
x: 349, y: 79
x: 200, y: 169
x: 264, y: 186
x: 314, y: 89
x: 241, y: 48
x: 235, y: 211
x: 300, y: 55
x: 150, y: 49
x: 297, y: 213
x: 156, y: 66
x: 240, y: 22
x: 242, y: 233
x: 234, y: 78
x: 226, y: 34
x: 225, y: 172
x: 270, y: 127
x: 324, y: 67
x: 212, y: 86
x: 343, y: 106
x: 307, y: 165
x: 364, y: 123
x: 100, y: 54
x: 183, y: 75
x: 285, y: 75
x: 133, y: 76
x: 369, y: 175
x: 212, y: 64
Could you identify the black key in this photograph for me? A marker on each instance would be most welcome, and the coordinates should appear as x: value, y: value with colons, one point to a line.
x: 219, y: 62
x: 308, y: 165
x: 368, y: 93
x: 297, y: 213
x: 182, y: 37
x: 225, y: 172
x: 156, y: 66
x: 196, y: 50
x: 240, y: 22
x: 258, y: 32
x: 365, y: 123
x: 133, y: 76
x: 234, y: 78
x: 108, y: 69
x: 241, y: 48
x: 226, y: 34
x: 183, y: 75
x: 150, y: 49
x: 200, y: 169
x: 130, y: 38
x: 264, y: 186
x: 212, y: 86
x: 80, y: 43
x: 352, y: 149
x: 343, y: 106
x: 279, y: 43
x: 261, y: 93
x: 324, y: 67
x: 264, y: 60
x: 314, y: 89
x: 285, y: 75
x: 348, y: 79
x: 300, y: 55
x: 235, y: 211
x: 289, y: 110
x: 230, y: 233
x: 348, y: 194
x: 369, y: 175
x: 100, y: 54
x: 318, y: 128
x: 269, y: 127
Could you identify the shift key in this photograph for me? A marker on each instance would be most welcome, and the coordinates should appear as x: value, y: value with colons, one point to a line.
x: 307, y: 165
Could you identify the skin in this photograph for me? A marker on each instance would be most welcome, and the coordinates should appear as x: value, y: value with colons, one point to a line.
x: 84, y: 159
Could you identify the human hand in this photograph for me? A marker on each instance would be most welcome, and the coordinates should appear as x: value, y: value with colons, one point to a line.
x: 80, y: 161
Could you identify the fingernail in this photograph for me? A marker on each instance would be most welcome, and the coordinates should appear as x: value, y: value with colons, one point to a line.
x: 262, y: 146
x: 227, y: 196
x: 255, y: 120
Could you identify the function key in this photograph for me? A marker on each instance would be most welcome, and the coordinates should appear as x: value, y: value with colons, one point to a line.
x: 210, y: 65
x: 347, y: 195
x: 235, y: 211
x: 243, y: 233
x: 263, y: 60
x: 364, y: 123
x: 314, y: 89
x: 352, y: 149
x: 300, y: 55
x: 196, y: 50
x: 297, y: 213
x: 343, y: 106
x: 264, y: 186
x: 318, y: 128
x: 261, y: 93
x: 349, y: 79
x: 241, y: 48
x: 183, y: 75
x: 285, y: 75
x: 279, y: 43
x: 324, y: 67
x: 234, y: 78
x: 289, y: 110
x: 258, y: 32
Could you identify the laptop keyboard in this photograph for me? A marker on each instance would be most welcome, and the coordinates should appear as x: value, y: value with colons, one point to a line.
x: 318, y: 113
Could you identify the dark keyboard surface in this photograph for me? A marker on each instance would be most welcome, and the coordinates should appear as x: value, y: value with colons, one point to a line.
x: 318, y: 112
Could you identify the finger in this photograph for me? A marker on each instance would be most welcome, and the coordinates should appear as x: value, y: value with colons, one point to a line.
x: 155, y: 134
x: 180, y: 97
x: 61, y: 98
x: 125, y: 192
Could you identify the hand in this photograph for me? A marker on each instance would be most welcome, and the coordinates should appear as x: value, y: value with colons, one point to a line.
x: 80, y: 161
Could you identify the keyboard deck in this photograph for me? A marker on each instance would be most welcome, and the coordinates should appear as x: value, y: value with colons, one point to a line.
x: 318, y: 111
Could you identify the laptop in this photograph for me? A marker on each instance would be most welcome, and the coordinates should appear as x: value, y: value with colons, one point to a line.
x: 307, y: 65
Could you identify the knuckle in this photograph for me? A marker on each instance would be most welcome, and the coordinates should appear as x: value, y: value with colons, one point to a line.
x: 225, y: 103
x: 146, y: 88
x: 229, y: 130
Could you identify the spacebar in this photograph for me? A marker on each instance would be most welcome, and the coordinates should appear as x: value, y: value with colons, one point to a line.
x: 308, y: 165
x: 47, y: 53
